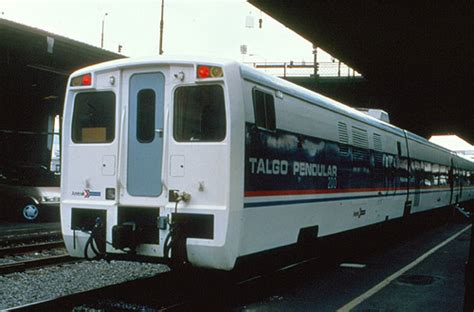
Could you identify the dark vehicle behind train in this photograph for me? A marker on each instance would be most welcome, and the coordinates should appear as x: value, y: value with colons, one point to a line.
x: 28, y: 192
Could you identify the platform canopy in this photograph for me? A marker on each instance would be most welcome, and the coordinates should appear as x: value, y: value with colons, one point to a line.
x: 418, y: 55
x: 34, y: 67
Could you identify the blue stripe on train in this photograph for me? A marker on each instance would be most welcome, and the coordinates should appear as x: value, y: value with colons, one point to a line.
x: 328, y: 199
x: 310, y: 200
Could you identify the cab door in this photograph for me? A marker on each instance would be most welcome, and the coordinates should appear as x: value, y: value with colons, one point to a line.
x: 145, y: 134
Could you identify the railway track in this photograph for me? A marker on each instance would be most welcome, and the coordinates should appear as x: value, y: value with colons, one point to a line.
x: 21, y: 266
x: 168, y: 291
x: 9, y: 239
x: 113, y: 296
x: 30, y: 248
x: 34, y: 262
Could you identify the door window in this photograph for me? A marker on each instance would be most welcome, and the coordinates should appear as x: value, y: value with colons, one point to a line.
x: 146, y: 116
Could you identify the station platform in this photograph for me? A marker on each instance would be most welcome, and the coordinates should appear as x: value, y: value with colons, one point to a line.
x: 432, y: 282
x: 418, y: 266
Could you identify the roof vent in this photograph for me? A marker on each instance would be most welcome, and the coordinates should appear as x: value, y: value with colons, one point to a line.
x: 376, y: 113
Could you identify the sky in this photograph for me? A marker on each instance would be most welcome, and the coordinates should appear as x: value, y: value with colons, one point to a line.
x: 191, y: 27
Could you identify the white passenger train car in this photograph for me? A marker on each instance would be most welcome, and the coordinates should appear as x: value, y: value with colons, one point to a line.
x: 207, y: 161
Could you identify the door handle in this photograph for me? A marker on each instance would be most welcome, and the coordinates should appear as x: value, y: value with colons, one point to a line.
x: 160, y: 132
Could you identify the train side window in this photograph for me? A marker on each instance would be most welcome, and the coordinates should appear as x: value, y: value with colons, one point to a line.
x: 435, y: 174
x: 146, y: 116
x: 264, y: 108
x: 443, y: 175
x: 199, y: 114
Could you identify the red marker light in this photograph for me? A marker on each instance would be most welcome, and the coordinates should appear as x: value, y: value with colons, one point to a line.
x: 86, y: 80
x: 203, y: 71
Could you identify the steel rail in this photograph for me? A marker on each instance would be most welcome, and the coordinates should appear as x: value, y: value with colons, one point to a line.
x: 21, y: 266
x: 18, y: 238
x: 30, y: 247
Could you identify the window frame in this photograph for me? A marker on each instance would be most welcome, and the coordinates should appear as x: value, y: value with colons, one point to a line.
x: 272, y: 121
x: 174, y: 114
x: 73, y: 118
x: 140, y: 119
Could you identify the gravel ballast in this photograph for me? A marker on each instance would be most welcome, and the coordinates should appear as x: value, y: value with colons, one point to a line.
x: 18, y: 289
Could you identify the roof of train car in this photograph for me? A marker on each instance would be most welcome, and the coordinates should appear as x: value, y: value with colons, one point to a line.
x: 466, y: 163
x: 330, y: 104
x: 151, y: 60
x: 269, y: 81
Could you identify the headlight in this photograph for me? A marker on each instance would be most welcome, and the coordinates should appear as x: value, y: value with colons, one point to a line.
x: 51, y: 199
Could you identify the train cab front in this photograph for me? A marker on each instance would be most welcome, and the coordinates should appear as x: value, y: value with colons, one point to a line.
x: 145, y: 158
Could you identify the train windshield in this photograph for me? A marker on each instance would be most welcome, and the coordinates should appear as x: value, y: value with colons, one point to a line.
x: 94, y: 117
x: 199, y: 114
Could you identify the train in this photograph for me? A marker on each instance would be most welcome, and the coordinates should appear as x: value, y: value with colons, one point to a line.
x: 207, y: 162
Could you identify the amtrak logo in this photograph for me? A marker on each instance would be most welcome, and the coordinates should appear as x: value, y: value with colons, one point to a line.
x: 86, y: 193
